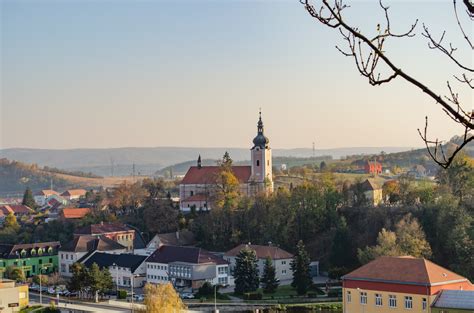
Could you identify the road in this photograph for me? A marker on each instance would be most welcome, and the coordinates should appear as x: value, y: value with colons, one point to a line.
x: 63, y: 302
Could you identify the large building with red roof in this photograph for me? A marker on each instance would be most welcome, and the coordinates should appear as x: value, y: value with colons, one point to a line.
x: 398, y: 284
x: 199, y: 183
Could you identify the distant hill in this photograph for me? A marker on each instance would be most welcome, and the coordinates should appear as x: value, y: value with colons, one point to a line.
x: 149, y: 160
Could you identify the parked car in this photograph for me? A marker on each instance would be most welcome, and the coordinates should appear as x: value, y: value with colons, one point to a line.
x: 34, y: 287
x: 187, y: 295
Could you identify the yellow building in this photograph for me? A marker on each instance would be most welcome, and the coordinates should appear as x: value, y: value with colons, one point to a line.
x: 13, y: 296
x: 398, y: 284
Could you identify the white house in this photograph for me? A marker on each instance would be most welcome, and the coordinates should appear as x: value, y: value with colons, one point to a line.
x: 280, y: 258
x: 186, y: 267
x: 83, y: 245
x: 125, y: 269
x: 41, y: 196
x: 74, y: 194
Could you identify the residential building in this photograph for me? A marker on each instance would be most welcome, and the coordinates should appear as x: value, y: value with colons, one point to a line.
x: 82, y: 246
x: 178, y: 238
x: 454, y: 301
x: 186, y: 267
x: 118, y: 232
x: 41, y: 196
x: 31, y: 257
x: 398, y: 284
x: 281, y: 260
x: 18, y: 210
x: 124, y: 268
x: 72, y: 214
x: 74, y: 194
x: 372, y: 192
x: 13, y: 296
x: 199, y: 183
x: 373, y: 167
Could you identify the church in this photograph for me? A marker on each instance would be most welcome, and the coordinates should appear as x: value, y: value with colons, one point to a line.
x: 199, y: 182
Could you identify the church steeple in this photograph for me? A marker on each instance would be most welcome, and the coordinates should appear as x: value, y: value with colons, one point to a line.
x: 260, y: 140
x: 199, y: 164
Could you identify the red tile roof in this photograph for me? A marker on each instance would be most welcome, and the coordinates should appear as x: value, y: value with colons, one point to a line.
x: 15, y: 208
x: 47, y: 193
x: 74, y: 192
x: 167, y: 254
x: 406, y: 269
x: 71, y: 213
x: 208, y: 174
x: 103, y: 228
x: 262, y: 252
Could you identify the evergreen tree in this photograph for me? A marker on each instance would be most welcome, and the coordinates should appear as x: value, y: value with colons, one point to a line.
x: 269, y: 281
x: 246, y: 271
x: 28, y: 199
x: 301, y: 271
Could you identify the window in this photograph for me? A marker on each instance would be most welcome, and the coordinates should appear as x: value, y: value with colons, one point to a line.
x: 63, y: 268
x: 349, y: 297
x: 283, y: 271
x: 40, y: 261
x: 363, y: 297
x: 378, y: 299
x: 258, y: 162
x: 283, y: 262
x: 62, y: 256
x: 408, y: 302
x: 50, y: 260
x: 392, y: 301
x: 424, y: 304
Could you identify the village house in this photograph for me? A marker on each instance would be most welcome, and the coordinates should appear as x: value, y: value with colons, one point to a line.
x: 372, y: 192
x: 398, y: 284
x: 121, y: 233
x: 41, y: 196
x: 18, y: 210
x: 281, y: 260
x: 125, y: 269
x: 74, y: 194
x: 199, y: 183
x: 83, y: 246
x: 186, y: 267
x: 72, y: 214
x: 32, y: 258
x: 178, y: 238
x: 373, y: 167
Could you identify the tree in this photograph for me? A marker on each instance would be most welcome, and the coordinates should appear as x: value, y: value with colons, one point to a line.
x: 301, y: 271
x: 28, y: 199
x: 408, y: 239
x: 269, y: 281
x: 15, y: 273
x: 246, y: 271
x: 369, y: 54
x: 227, y: 192
x: 98, y: 280
x: 162, y: 298
x: 79, y: 277
x: 40, y: 278
x: 11, y: 222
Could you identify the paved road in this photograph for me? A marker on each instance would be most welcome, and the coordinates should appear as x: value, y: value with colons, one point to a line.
x: 34, y: 299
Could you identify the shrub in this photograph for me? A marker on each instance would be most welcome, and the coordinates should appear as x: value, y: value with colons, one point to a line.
x: 333, y: 293
x: 122, y: 294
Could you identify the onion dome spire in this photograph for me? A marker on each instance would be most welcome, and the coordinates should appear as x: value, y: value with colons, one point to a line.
x: 260, y: 140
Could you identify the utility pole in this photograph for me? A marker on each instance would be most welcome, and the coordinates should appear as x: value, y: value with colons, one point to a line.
x: 314, y: 150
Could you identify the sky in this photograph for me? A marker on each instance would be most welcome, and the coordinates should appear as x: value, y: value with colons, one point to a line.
x: 104, y: 73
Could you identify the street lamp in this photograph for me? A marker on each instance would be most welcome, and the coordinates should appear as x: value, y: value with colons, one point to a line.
x: 41, y: 289
x: 133, y: 279
x: 116, y: 278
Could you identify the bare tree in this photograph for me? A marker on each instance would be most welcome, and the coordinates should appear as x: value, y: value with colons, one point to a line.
x: 370, y: 59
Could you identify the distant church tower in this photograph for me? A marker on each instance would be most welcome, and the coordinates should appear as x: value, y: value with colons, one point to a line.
x: 261, y: 156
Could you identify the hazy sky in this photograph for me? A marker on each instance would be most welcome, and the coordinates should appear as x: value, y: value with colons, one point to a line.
x: 194, y: 73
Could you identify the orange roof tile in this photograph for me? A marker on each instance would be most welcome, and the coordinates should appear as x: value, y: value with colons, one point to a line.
x: 71, y: 213
x: 405, y: 269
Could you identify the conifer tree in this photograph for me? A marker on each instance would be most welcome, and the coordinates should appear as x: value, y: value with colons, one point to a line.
x: 28, y: 199
x: 301, y: 271
x: 246, y: 271
x: 269, y: 281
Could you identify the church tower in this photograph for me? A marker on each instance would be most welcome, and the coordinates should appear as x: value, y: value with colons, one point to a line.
x: 261, y: 157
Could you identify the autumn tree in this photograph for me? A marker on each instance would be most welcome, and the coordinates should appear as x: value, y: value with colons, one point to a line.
x: 227, y: 192
x: 15, y: 273
x: 368, y: 50
x: 162, y: 298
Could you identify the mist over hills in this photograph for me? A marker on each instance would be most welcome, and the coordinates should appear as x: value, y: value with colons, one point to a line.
x: 149, y: 160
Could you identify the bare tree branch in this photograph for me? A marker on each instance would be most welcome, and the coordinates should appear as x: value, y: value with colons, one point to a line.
x: 368, y: 54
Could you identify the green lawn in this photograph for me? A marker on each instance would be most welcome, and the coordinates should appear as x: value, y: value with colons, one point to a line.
x: 283, y: 292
